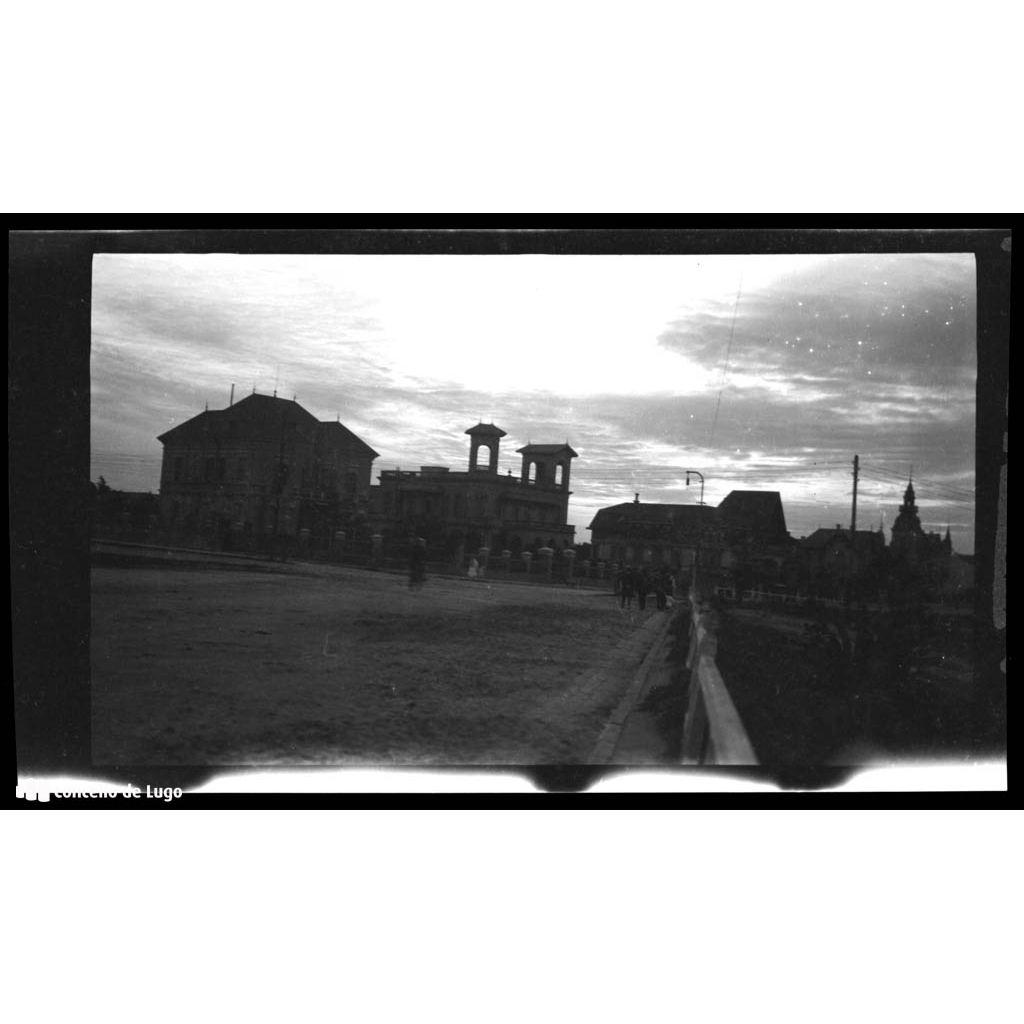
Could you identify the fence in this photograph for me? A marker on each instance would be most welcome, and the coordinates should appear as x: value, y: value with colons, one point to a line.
x: 797, y: 600
x: 713, y: 732
x: 364, y: 552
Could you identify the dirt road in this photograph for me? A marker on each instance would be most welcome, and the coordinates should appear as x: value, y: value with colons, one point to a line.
x: 324, y: 665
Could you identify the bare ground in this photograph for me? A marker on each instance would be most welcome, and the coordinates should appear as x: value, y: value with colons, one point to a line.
x: 323, y: 665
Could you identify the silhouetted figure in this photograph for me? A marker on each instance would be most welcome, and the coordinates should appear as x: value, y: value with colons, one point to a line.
x: 643, y: 588
x: 662, y: 588
x: 627, y: 588
x: 417, y: 563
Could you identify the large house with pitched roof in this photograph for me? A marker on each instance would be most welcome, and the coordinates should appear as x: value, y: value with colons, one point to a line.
x: 747, y: 530
x: 262, y: 466
x: 637, y: 532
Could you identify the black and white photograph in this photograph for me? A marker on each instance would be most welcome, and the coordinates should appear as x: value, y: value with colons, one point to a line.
x: 613, y: 510
x: 527, y: 559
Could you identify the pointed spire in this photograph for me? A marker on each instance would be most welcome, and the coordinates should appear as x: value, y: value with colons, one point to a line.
x: 908, y: 494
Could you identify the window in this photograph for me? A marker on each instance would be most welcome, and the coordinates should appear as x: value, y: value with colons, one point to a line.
x: 484, y: 463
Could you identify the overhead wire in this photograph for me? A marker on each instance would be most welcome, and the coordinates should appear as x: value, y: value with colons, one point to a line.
x: 927, y: 486
x: 728, y: 356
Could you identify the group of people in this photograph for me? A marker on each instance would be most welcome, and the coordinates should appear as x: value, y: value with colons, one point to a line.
x: 642, y: 582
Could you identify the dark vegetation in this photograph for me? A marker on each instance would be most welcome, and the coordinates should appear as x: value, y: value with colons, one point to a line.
x: 831, y: 688
x: 845, y: 692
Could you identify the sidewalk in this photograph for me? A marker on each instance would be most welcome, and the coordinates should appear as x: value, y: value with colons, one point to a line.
x: 631, y: 736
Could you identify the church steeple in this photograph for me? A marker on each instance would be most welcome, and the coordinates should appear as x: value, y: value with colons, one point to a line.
x: 907, y: 530
x: 908, y: 499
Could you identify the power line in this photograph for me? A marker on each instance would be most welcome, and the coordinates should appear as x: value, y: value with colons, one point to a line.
x: 728, y: 354
x: 900, y: 478
x: 904, y: 476
x: 929, y: 488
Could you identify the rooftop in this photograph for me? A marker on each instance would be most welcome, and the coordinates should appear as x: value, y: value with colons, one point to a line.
x: 547, y: 449
x: 486, y: 430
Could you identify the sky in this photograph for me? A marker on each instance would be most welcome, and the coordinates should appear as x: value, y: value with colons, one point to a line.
x: 757, y: 371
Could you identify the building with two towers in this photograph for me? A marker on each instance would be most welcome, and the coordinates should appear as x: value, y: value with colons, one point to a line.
x: 481, y: 506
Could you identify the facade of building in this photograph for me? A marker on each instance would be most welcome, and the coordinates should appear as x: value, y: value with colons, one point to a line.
x: 757, y: 550
x: 754, y: 518
x: 638, y: 532
x: 910, y: 543
x: 834, y: 561
x: 743, y: 540
x: 263, y: 466
x: 480, y: 506
x: 917, y: 557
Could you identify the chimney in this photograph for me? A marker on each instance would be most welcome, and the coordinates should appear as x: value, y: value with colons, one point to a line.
x: 636, y: 498
x: 232, y: 402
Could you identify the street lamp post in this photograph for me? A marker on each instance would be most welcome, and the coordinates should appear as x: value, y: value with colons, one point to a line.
x: 697, y: 473
x: 700, y: 534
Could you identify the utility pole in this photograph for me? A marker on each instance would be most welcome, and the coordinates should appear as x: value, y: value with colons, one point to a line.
x: 700, y: 525
x: 856, y: 471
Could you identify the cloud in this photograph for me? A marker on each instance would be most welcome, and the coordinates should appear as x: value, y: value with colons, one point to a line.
x: 647, y: 366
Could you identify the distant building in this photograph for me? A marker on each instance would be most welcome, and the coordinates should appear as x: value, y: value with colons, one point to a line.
x: 757, y: 550
x: 481, y: 507
x: 834, y: 561
x: 858, y: 564
x: 753, y: 517
x: 747, y: 531
x: 910, y: 543
x: 916, y: 555
x: 636, y: 532
x: 264, y: 465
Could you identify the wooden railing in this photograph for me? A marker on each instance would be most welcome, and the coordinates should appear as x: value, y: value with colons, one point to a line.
x: 713, y: 732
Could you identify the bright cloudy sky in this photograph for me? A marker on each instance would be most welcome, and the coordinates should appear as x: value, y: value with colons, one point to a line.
x: 760, y: 371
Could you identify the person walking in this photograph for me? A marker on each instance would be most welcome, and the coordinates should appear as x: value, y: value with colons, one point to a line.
x: 643, y: 588
x: 627, y: 587
x: 417, y: 562
x: 661, y: 587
